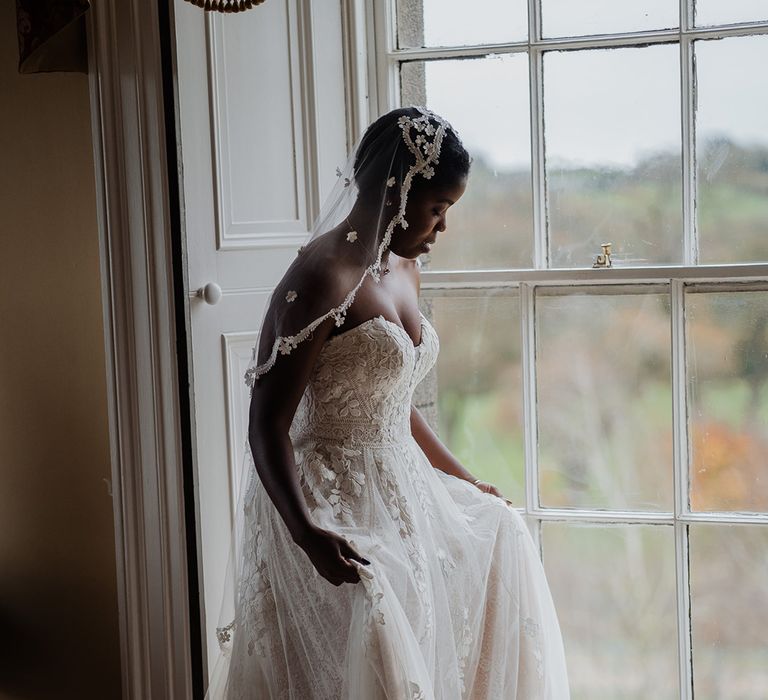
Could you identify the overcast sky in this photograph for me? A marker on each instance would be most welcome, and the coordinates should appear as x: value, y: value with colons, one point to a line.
x: 607, y: 107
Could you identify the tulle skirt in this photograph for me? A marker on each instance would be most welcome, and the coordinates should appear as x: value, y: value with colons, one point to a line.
x: 453, y: 606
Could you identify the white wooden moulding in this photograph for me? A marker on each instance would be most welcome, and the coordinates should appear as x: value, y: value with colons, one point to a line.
x: 358, y: 36
x: 126, y: 92
x: 286, y: 225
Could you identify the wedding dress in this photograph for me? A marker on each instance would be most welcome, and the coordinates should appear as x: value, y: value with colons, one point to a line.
x: 454, y: 604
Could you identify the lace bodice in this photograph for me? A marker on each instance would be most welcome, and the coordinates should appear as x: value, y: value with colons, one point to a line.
x: 361, y: 387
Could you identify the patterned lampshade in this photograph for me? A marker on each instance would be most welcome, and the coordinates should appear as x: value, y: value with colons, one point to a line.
x: 226, y: 5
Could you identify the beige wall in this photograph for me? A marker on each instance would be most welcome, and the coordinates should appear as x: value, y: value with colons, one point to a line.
x: 58, y: 605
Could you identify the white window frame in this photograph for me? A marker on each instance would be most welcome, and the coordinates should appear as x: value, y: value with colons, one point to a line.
x: 384, y: 69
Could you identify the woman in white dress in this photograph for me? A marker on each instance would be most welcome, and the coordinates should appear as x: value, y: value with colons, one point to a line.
x: 367, y: 562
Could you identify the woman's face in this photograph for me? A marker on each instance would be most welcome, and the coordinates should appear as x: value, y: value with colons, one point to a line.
x: 426, y: 214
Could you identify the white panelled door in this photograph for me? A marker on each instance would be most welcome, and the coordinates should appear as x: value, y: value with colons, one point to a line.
x: 261, y: 109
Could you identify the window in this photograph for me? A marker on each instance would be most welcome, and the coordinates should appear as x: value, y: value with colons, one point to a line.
x: 624, y: 408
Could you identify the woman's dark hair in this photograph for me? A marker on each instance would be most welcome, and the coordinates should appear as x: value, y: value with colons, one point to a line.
x: 453, y: 165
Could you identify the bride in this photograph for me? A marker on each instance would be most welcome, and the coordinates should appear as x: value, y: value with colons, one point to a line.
x: 366, y: 562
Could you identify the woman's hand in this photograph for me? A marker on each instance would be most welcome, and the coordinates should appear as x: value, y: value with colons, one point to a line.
x: 330, y: 554
x: 487, y: 487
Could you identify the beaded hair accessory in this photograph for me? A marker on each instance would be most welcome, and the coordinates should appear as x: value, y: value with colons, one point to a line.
x: 423, y: 136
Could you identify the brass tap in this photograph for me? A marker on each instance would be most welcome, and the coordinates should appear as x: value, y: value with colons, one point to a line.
x: 604, y: 258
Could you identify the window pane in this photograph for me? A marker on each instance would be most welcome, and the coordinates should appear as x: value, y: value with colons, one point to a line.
x: 460, y: 23
x: 479, y: 390
x: 568, y: 18
x: 729, y: 611
x: 732, y: 149
x: 612, y: 136
x: 727, y: 348
x: 486, y: 100
x: 614, y: 590
x: 719, y: 12
x: 604, y: 401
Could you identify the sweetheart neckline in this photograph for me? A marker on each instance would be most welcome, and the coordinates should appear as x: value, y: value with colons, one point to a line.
x: 422, y: 320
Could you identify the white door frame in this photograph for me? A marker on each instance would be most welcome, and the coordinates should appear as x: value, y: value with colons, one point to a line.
x: 139, y: 313
x: 146, y: 413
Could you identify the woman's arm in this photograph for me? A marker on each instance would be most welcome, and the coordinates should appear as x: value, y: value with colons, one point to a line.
x: 437, y: 453
x: 439, y: 456
x: 274, y: 400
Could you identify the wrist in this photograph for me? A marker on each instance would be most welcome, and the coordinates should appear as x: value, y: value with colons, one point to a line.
x: 461, y: 472
x: 302, y: 530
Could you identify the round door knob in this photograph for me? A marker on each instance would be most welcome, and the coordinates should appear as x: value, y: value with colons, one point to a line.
x: 211, y: 293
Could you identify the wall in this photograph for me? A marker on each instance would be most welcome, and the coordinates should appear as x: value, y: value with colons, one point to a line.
x: 58, y: 601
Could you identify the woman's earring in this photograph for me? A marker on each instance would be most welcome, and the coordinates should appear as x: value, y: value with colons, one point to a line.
x: 388, y: 202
